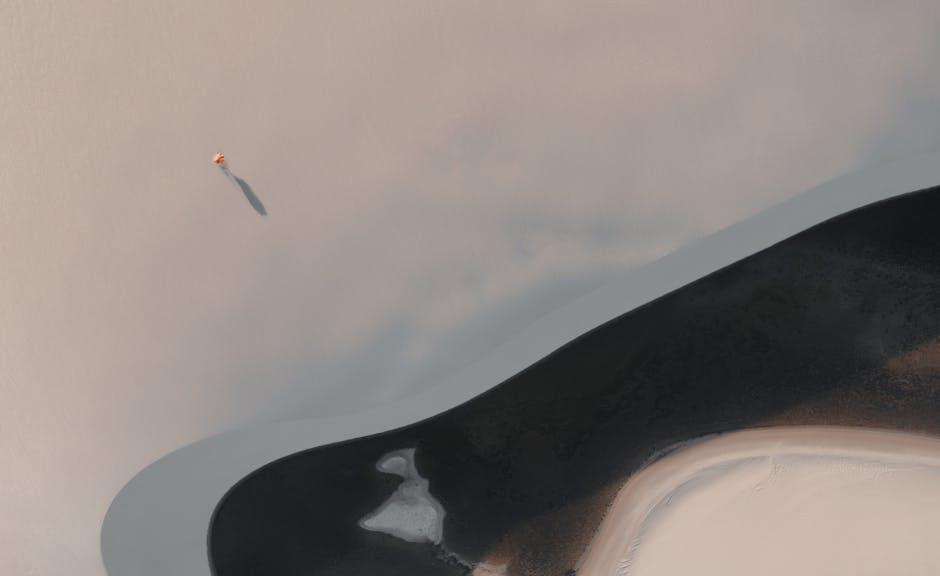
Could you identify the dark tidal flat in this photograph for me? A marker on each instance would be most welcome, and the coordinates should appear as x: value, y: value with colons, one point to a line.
x: 837, y: 325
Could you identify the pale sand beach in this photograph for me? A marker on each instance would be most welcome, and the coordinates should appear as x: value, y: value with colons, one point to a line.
x: 776, y: 501
x: 437, y: 178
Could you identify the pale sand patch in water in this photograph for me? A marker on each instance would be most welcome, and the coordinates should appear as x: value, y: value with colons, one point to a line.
x: 779, y: 501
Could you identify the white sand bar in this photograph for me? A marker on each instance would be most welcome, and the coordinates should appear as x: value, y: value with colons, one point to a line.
x: 779, y: 501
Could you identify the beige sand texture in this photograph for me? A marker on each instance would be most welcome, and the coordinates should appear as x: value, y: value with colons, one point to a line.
x: 814, y: 501
x: 437, y: 177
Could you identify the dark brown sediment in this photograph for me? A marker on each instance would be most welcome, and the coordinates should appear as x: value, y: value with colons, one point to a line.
x: 837, y: 325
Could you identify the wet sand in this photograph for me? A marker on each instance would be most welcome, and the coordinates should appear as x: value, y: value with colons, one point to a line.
x: 837, y: 325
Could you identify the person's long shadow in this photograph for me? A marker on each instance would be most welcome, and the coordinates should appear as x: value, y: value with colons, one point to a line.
x: 246, y: 190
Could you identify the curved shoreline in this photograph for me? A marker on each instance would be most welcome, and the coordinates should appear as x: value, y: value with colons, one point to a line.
x: 612, y: 550
x: 157, y: 523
